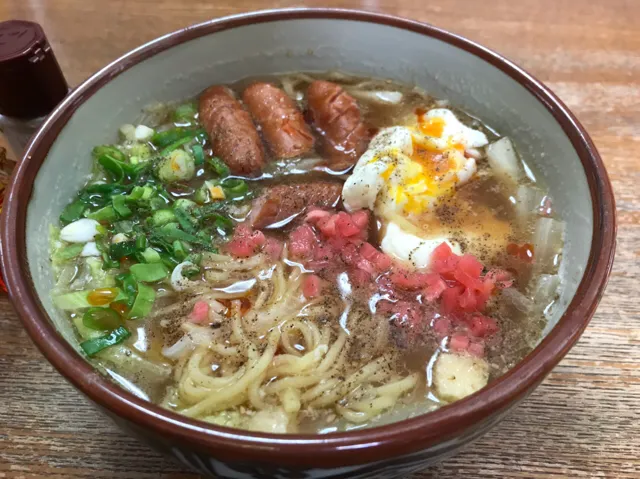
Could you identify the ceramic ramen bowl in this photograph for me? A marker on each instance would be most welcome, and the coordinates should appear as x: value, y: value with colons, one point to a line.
x: 183, y: 63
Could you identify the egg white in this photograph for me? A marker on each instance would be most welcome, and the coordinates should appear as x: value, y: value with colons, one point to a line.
x: 411, y: 249
x: 405, y: 172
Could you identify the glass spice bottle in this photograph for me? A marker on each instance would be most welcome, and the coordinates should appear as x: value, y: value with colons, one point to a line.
x: 31, y: 85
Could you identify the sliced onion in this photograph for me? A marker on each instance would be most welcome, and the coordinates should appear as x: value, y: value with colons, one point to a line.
x: 545, y: 289
x: 179, y: 282
x: 518, y: 300
x: 287, y: 86
x: 379, y: 96
x: 305, y: 165
x: 271, y: 421
x: 547, y: 243
x: 339, y: 76
x: 200, y: 335
x: 528, y: 201
x: 194, y: 336
x: 178, y: 349
x: 503, y: 160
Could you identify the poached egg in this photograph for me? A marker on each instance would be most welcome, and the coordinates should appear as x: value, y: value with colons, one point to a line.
x: 407, y: 171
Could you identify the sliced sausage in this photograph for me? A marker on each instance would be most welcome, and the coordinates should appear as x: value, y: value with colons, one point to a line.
x: 337, y: 117
x: 233, y: 135
x: 282, y: 203
x: 283, y: 125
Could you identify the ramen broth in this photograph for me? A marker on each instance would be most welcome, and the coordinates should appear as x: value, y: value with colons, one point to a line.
x: 317, y: 290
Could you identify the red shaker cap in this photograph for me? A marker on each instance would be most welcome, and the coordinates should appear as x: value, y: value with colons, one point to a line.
x: 31, y: 81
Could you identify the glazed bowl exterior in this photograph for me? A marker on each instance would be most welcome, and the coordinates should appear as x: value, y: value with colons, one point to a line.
x: 180, y: 65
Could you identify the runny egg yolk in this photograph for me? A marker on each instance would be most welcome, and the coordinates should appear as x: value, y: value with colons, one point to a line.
x: 407, y: 169
x: 419, y: 179
x: 432, y: 126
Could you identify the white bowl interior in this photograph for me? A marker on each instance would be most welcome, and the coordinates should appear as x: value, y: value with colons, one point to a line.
x: 357, y: 47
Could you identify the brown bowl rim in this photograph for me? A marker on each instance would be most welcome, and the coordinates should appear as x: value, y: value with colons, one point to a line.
x: 333, y: 450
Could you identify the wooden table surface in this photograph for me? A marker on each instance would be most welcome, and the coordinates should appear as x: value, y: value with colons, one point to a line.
x: 583, y: 421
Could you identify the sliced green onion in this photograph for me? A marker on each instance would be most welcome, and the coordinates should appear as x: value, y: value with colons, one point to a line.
x: 103, y: 247
x: 175, y: 145
x: 129, y: 287
x: 219, y: 166
x: 111, y: 151
x: 117, y: 251
x: 141, y: 242
x: 150, y: 255
x: 73, y: 211
x: 185, y: 112
x: 185, y: 204
x: 223, y: 224
x: 195, y: 258
x: 148, y: 192
x: 101, y: 319
x: 106, y: 189
x: 202, y: 196
x: 113, y: 167
x: 208, y: 210
x: 143, y: 303
x: 157, y: 203
x: 158, y: 240
x: 162, y: 217
x: 186, y: 221
x: 198, y: 154
x: 190, y: 272
x: 171, y: 233
x: 169, y: 261
x: 136, y: 194
x: 234, y: 188
x: 124, y: 226
x: 93, y: 346
x: 120, y: 207
x: 179, y: 250
x: 165, y: 138
x: 104, y: 215
x: 149, y: 272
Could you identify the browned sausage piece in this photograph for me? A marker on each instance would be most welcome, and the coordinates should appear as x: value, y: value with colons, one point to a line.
x: 281, y: 204
x: 233, y: 135
x: 283, y: 125
x: 337, y: 118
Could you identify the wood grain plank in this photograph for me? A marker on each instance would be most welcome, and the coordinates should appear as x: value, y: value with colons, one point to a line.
x: 583, y: 421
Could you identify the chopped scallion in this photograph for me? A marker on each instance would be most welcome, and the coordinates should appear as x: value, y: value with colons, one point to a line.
x: 219, y: 166
x: 101, y: 319
x: 150, y: 255
x: 93, y: 346
x: 149, y: 272
x: 117, y: 251
x: 179, y: 250
x: 104, y: 215
x: 162, y: 217
x: 143, y: 302
x: 234, y: 188
x: 198, y: 154
x: 112, y: 151
x: 175, y: 145
x: 73, y: 211
x: 122, y: 210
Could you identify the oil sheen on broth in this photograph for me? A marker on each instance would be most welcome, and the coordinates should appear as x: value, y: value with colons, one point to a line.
x: 307, y: 253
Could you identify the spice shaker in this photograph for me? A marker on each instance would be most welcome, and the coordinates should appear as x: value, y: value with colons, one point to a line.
x: 31, y: 85
x: 31, y: 81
